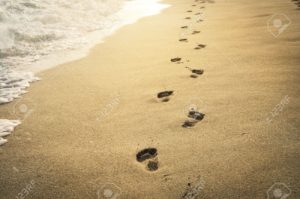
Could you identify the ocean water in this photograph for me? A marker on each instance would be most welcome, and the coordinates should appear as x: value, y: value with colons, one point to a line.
x: 35, y: 33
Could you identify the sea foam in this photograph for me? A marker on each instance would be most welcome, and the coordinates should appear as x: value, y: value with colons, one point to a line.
x: 35, y: 33
x: 6, y: 127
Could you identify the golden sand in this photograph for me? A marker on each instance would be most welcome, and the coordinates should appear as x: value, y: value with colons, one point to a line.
x: 91, y: 117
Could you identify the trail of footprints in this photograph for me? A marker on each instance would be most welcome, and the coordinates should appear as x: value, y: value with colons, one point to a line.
x: 149, y: 156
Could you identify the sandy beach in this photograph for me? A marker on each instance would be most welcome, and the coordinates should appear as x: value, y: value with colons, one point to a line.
x: 86, y: 120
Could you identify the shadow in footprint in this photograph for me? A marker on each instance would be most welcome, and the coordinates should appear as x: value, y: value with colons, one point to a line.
x: 164, y: 96
x: 196, y: 72
x: 194, y: 117
x: 189, y: 124
x: 152, y: 165
x: 183, y: 40
x: 195, y: 32
x: 148, y: 155
x: 176, y: 59
x: 200, y: 46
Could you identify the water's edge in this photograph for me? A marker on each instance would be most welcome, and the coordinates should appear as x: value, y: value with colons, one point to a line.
x: 13, y: 83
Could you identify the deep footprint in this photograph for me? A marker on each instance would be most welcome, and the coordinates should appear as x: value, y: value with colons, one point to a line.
x: 146, y: 154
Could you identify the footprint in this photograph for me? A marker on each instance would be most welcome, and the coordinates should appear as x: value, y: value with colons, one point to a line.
x: 188, y: 18
x: 176, y: 59
x: 183, y: 40
x: 194, y: 118
x: 164, y: 96
x: 148, y: 155
x: 196, y: 71
x: 196, y: 115
x: 194, y: 5
x: 189, y: 124
x: 200, y: 46
x: 152, y: 165
x: 184, y: 27
x: 195, y: 32
x: 189, y: 11
x: 198, y: 13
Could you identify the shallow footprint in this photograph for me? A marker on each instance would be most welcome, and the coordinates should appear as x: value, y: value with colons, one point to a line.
x: 183, y: 40
x: 195, y: 32
x: 184, y: 27
x: 188, y: 18
x: 196, y: 71
x: 200, y: 46
x: 176, y: 59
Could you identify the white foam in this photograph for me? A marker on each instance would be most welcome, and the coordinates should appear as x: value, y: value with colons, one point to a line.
x: 13, y: 83
x: 36, y: 33
x: 6, y: 127
x: 130, y: 13
x: 39, y: 34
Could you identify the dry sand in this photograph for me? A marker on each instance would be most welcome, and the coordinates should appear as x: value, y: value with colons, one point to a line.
x: 87, y: 119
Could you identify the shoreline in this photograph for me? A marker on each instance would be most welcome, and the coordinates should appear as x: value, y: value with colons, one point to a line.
x: 98, y: 37
x: 24, y: 76
x: 88, y: 119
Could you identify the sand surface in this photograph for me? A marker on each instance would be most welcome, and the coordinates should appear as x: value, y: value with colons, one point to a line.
x: 87, y: 119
